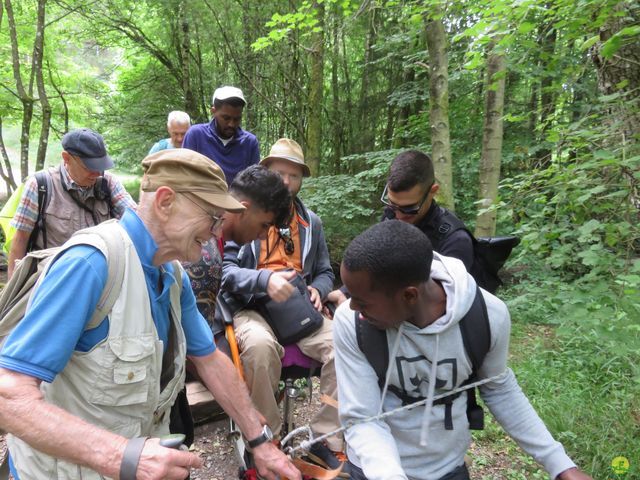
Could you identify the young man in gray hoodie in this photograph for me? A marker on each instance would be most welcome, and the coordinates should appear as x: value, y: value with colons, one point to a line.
x: 418, y: 297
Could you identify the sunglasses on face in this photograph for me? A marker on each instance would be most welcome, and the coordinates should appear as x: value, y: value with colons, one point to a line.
x: 407, y: 209
x: 285, y: 235
x: 217, y: 220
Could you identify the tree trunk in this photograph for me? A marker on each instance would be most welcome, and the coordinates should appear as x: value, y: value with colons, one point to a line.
x: 316, y: 88
x: 190, y: 101
x: 366, y: 134
x: 38, y: 54
x: 491, y: 143
x: 547, y: 42
x: 7, y: 175
x: 24, y: 94
x: 337, y: 112
x: 439, y: 110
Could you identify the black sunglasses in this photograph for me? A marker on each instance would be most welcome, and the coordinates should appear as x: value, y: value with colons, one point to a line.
x: 406, y: 210
x: 285, y: 235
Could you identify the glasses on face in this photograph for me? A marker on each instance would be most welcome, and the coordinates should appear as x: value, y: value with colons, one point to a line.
x: 408, y: 209
x: 285, y: 235
x: 217, y: 220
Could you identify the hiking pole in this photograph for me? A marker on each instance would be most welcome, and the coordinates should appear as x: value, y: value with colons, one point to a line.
x: 173, y: 440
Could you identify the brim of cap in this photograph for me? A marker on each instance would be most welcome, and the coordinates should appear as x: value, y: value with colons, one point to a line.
x: 98, y: 164
x: 220, y: 200
x: 227, y: 97
x: 267, y: 160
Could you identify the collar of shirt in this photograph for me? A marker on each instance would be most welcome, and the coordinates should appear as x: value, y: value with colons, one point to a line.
x: 71, y: 185
x: 146, y: 248
x: 213, y: 125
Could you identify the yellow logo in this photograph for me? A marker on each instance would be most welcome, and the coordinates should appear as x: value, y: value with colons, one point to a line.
x: 620, y: 465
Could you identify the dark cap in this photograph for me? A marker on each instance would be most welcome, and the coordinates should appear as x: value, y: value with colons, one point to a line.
x: 186, y: 171
x: 88, y: 145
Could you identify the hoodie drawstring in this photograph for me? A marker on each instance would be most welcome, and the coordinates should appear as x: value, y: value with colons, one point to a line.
x: 394, y: 352
x: 424, y: 434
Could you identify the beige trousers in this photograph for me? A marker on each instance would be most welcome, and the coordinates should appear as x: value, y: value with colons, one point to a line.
x: 261, y: 360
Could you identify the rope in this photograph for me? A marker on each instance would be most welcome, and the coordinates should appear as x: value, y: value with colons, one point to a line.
x: 306, y: 444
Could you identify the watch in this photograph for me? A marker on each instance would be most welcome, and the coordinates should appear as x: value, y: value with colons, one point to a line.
x: 265, y: 436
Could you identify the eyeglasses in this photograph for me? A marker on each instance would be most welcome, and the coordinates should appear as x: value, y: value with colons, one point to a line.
x: 217, y: 220
x: 285, y: 235
x: 408, y: 209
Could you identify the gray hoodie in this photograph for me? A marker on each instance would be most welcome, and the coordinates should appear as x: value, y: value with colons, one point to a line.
x: 390, y: 449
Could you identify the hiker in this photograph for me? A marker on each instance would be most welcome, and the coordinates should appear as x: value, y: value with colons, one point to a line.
x: 79, y: 193
x: 257, y: 272
x: 177, y: 125
x: 409, y: 196
x: 267, y: 202
x: 80, y: 402
x: 400, y: 286
x: 222, y: 139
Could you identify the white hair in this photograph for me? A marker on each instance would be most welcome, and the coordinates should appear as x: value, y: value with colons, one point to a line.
x: 179, y: 117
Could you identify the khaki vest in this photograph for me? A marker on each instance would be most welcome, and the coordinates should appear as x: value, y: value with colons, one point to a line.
x: 116, y: 385
x: 64, y: 216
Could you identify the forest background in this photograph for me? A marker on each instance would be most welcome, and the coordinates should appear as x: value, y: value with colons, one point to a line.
x: 530, y: 109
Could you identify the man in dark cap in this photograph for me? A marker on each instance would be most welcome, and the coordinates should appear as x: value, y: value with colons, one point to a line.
x: 61, y: 200
x: 90, y: 403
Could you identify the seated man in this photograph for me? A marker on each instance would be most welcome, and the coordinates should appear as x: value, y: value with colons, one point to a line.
x: 418, y: 297
x: 267, y: 202
x: 80, y: 193
x: 264, y: 268
x: 81, y: 402
x: 177, y: 125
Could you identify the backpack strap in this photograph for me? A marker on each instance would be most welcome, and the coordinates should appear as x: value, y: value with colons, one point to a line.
x: 476, y: 337
x: 43, y: 180
x: 373, y: 343
x: 108, y: 238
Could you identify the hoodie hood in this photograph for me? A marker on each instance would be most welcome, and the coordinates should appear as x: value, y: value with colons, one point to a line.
x: 459, y: 287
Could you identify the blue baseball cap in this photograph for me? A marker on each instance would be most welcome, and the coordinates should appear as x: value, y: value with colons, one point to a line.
x: 89, y: 146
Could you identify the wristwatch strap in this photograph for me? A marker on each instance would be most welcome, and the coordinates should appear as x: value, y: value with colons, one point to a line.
x: 131, y: 457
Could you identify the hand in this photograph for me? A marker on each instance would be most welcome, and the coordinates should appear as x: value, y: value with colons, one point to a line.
x: 573, y: 474
x: 315, y: 298
x: 160, y: 463
x: 337, y: 297
x: 278, y: 287
x: 272, y: 463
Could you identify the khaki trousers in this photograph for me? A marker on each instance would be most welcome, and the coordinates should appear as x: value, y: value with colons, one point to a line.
x: 261, y: 356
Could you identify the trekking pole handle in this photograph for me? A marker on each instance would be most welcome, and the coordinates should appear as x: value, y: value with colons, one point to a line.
x: 174, y: 440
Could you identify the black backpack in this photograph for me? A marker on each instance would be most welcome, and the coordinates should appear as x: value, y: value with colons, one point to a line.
x: 476, y: 336
x: 43, y: 178
x: 489, y: 253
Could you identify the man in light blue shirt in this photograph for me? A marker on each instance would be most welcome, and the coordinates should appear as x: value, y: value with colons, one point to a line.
x: 177, y: 125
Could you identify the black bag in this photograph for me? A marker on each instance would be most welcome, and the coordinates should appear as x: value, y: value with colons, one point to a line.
x: 490, y: 254
x: 293, y: 319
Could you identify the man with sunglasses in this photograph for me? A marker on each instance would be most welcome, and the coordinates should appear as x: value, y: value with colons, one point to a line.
x: 79, y: 193
x: 259, y: 270
x: 409, y: 196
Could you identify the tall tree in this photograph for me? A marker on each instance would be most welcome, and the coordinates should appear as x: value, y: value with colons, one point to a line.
x: 491, y: 142
x: 316, y: 89
x: 439, y: 107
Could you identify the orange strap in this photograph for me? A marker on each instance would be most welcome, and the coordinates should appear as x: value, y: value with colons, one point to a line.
x: 233, y: 345
x: 327, y: 400
x: 316, y: 471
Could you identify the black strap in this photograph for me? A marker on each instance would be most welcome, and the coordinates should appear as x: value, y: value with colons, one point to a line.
x: 373, y: 343
x: 43, y: 179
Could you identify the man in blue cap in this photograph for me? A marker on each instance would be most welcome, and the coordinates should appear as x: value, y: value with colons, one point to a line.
x: 60, y: 200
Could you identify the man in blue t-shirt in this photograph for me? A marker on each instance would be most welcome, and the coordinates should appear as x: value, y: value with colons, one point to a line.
x: 222, y: 139
x: 80, y: 401
x: 177, y: 125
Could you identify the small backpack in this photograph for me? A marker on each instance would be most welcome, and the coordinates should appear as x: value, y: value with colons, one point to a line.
x: 489, y: 253
x: 16, y: 296
x: 476, y: 337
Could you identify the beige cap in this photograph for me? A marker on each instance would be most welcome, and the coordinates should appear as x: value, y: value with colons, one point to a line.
x: 287, y: 149
x: 186, y: 171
